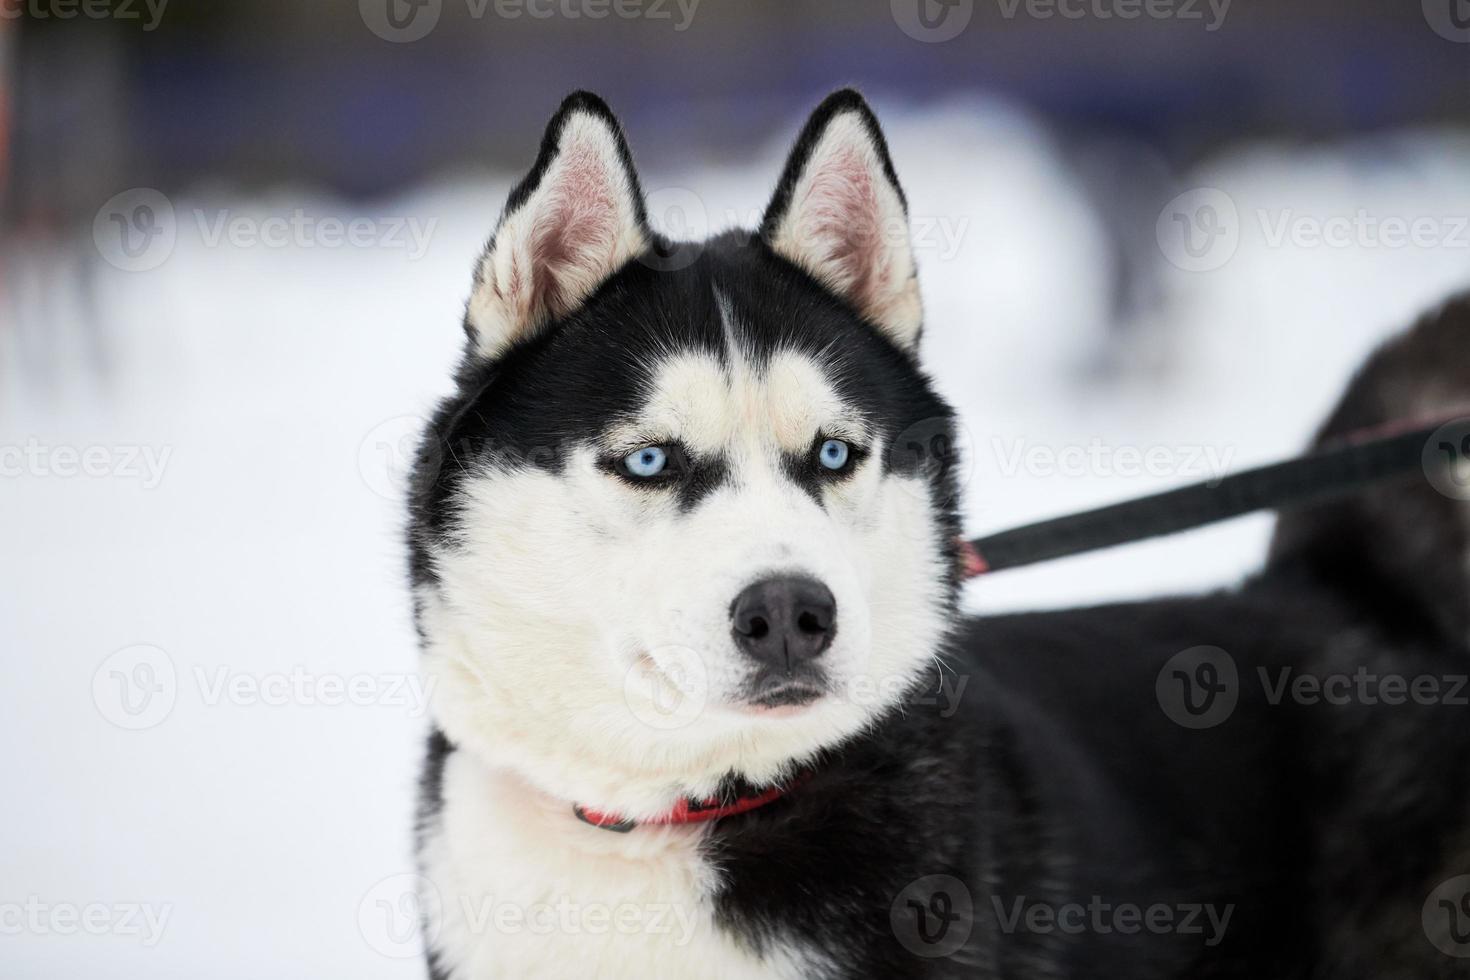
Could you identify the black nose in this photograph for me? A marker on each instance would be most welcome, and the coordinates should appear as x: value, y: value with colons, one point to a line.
x: 785, y: 620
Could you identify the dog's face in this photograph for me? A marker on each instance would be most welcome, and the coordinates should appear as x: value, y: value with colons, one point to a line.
x: 689, y: 515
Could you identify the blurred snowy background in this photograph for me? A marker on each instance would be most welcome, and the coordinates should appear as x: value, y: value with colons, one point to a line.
x: 236, y: 247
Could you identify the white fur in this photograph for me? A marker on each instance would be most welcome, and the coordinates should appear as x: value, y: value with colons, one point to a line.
x: 575, y: 230
x: 580, y: 646
x: 523, y: 890
x: 846, y: 225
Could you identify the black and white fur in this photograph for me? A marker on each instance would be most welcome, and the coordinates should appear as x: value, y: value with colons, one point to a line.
x: 561, y: 604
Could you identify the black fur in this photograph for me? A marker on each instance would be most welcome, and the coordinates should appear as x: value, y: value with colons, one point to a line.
x: 1045, y: 769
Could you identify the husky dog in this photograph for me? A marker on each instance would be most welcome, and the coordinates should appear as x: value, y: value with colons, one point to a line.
x: 685, y: 566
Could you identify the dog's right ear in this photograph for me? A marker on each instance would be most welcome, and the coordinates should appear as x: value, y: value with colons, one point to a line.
x: 575, y: 219
x: 839, y: 213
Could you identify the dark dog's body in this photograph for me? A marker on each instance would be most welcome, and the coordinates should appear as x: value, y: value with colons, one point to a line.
x: 1268, y: 782
x: 1321, y: 799
x: 1313, y: 832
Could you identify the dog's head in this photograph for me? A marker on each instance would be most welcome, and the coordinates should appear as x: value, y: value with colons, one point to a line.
x: 690, y: 513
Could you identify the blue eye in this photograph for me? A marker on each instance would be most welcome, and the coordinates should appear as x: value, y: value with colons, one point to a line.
x: 833, y: 454
x: 646, y: 462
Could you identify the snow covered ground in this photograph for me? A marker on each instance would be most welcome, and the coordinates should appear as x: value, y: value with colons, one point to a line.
x: 213, y: 717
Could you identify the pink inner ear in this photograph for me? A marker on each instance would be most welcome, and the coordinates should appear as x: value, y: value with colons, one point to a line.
x: 574, y: 238
x: 840, y: 226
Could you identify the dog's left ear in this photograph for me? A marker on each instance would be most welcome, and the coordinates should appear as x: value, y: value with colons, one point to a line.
x: 577, y: 218
x: 840, y: 214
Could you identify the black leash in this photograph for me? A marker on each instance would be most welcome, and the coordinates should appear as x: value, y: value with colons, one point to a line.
x: 1337, y: 470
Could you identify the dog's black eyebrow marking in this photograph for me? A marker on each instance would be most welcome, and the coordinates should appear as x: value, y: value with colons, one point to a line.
x: 704, y: 478
x: 799, y: 469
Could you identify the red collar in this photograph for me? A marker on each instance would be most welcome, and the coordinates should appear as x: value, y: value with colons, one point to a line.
x: 684, y: 812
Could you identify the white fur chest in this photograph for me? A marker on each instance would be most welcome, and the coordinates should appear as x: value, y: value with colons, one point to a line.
x: 525, y: 890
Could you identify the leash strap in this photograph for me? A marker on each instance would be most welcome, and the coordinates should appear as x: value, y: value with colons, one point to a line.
x: 1336, y: 470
